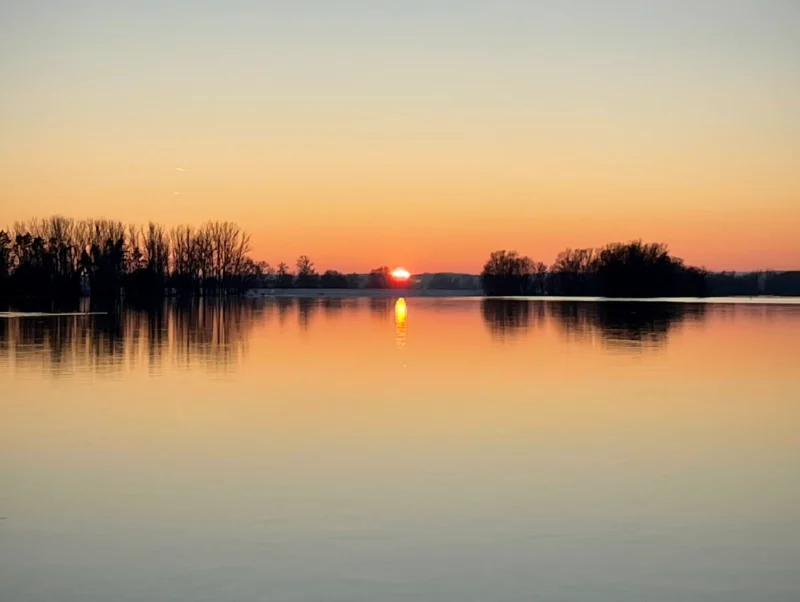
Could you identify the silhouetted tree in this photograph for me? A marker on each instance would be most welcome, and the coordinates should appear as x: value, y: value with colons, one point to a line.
x: 379, y: 278
x: 573, y: 273
x: 507, y: 273
x: 306, y: 275
x: 633, y: 269
x: 539, y: 278
x: 638, y: 269
x: 5, y: 263
x: 150, y: 253
x: 333, y: 279
x: 283, y: 277
x: 267, y: 275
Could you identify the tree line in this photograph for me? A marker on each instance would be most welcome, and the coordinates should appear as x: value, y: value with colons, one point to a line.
x: 306, y: 276
x: 63, y: 258
x: 633, y: 269
x: 60, y: 258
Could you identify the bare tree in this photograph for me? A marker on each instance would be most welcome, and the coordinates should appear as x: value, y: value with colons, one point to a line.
x: 306, y: 275
x: 507, y: 273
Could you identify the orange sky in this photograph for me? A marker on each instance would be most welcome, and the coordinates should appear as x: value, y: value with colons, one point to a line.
x: 368, y: 136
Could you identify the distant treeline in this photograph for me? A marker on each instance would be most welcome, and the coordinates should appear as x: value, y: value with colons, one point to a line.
x: 306, y: 276
x: 61, y: 259
x: 633, y: 269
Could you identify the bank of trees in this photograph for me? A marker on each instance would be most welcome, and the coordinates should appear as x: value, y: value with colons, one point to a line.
x: 305, y: 276
x: 633, y: 269
x: 60, y: 257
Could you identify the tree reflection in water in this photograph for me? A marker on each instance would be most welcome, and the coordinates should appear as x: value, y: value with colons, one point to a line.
x: 510, y: 318
x: 214, y: 333
x: 210, y: 333
x: 617, y: 324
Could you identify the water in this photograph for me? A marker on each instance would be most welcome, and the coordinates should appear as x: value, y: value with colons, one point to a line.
x: 438, y: 449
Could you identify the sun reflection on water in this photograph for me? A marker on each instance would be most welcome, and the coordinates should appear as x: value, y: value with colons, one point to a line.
x: 400, y: 316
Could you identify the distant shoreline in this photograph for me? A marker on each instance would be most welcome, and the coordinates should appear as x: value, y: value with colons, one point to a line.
x: 367, y: 293
x: 477, y: 293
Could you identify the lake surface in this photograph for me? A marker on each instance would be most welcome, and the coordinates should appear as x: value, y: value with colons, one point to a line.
x: 372, y: 450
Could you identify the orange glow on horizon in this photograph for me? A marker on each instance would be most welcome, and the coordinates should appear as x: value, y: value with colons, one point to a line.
x: 308, y: 156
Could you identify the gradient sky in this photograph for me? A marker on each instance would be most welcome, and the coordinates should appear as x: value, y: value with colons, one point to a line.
x: 413, y: 133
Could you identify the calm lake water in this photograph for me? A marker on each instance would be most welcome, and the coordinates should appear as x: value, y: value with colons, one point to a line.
x: 433, y: 449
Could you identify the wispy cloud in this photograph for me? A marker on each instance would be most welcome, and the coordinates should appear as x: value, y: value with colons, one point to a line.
x: 179, y: 169
x: 176, y: 193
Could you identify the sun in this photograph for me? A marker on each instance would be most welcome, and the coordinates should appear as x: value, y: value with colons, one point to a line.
x: 400, y: 274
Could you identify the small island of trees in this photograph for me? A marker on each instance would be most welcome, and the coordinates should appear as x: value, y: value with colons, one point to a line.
x: 634, y: 269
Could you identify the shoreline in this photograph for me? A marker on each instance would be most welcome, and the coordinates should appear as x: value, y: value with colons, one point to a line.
x: 263, y: 293
x: 364, y: 293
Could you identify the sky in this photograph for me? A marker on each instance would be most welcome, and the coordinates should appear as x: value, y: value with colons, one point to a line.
x: 422, y: 134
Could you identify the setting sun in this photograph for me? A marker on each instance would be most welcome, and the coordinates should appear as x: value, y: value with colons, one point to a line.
x: 400, y: 274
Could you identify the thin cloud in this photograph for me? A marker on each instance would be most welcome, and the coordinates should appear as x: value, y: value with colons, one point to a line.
x: 179, y: 169
x: 176, y: 193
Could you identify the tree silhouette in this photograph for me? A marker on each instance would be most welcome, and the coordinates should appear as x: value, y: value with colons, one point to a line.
x: 57, y: 257
x: 333, y: 279
x: 379, y: 278
x: 306, y: 275
x: 638, y: 269
x: 573, y: 273
x: 283, y: 277
x: 633, y: 269
x: 507, y: 273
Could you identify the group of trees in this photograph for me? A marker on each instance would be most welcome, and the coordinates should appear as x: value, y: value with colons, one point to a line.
x: 634, y: 269
x: 508, y: 273
x: 305, y: 276
x: 62, y: 258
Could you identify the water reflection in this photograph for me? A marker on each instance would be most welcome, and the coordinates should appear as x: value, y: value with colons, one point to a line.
x: 508, y: 318
x: 621, y: 325
x: 624, y: 325
x: 306, y: 308
x: 215, y: 334
x: 337, y: 466
x: 284, y: 306
x: 400, y: 316
x: 381, y: 308
x: 211, y: 334
x: 332, y: 306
